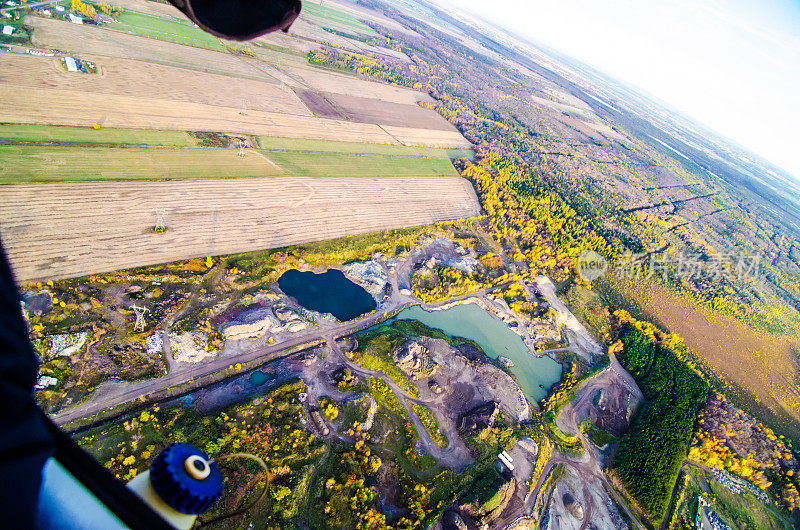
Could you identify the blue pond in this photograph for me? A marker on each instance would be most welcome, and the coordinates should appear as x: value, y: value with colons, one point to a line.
x: 330, y: 292
x: 535, y: 375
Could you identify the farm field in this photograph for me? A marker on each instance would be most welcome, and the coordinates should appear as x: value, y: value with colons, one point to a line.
x: 361, y: 13
x: 30, y: 163
x: 761, y: 368
x: 125, y: 77
x: 66, y: 107
x: 307, y: 29
x: 366, y: 110
x: 49, y: 33
x: 72, y: 38
x: 336, y: 19
x: 312, y: 78
x: 151, y: 8
x: 68, y: 230
x: 355, y: 165
x: 272, y: 143
x: 170, y: 30
x: 137, y: 78
x: 87, y: 135
x: 25, y: 164
x: 426, y: 137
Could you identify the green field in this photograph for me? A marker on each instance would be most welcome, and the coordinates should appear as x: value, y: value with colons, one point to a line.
x: 25, y: 164
x: 86, y: 135
x: 740, y: 511
x: 161, y: 28
x: 271, y: 143
x: 344, y: 20
x: 40, y: 163
x: 355, y: 165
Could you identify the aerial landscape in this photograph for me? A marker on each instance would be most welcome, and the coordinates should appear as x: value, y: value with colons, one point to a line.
x: 431, y: 274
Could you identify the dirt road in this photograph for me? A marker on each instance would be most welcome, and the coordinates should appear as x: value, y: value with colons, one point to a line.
x: 102, y: 400
x: 586, y: 465
x: 456, y: 455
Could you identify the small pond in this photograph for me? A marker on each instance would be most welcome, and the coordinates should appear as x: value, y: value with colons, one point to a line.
x: 258, y: 378
x: 535, y: 375
x: 330, y: 292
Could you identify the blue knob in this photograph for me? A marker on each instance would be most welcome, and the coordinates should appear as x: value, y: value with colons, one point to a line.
x: 185, y: 479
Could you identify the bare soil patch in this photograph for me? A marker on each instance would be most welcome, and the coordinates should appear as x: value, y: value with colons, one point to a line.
x: 364, y: 110
x: 325, y: 81
x: 318, y: 104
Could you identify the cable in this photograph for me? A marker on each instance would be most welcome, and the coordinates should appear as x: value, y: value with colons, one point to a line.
x: 249, y: 506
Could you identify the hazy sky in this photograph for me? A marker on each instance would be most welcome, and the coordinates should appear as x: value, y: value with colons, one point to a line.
x: 733, y: 65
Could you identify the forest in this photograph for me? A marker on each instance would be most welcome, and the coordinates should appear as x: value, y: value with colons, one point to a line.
x: 652, y: 451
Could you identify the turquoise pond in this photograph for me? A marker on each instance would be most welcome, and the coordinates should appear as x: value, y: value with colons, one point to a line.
x: 330, y: 292
x: 535, y: 375
x: 258, y: 378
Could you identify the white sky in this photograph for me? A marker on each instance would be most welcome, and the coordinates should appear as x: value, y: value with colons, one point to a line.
x: 733, y: 65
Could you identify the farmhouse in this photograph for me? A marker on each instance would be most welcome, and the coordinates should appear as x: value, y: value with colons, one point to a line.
x: 75, y: 20
x: 8, y: 30
x: 72, y: 64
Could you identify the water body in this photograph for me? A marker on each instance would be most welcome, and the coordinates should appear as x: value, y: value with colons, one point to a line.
x: 535, y: 375
x: 330, y: 292
x: 258, y: 378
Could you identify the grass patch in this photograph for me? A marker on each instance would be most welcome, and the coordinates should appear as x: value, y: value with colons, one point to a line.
x: 588, y: 306
x: 375, y: 353
x: 24, y: 164
x: 739, y: 511
x: 431, y: 424
x: 598, y: 437
x: 87, y: 135
x: 155, y: 27
x: 383, y: 363
x: 337, y: 17
x: 272, y: 143
x: 349, y: 165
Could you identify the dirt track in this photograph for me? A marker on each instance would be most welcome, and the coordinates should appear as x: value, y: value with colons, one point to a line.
x: 68, y: 230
